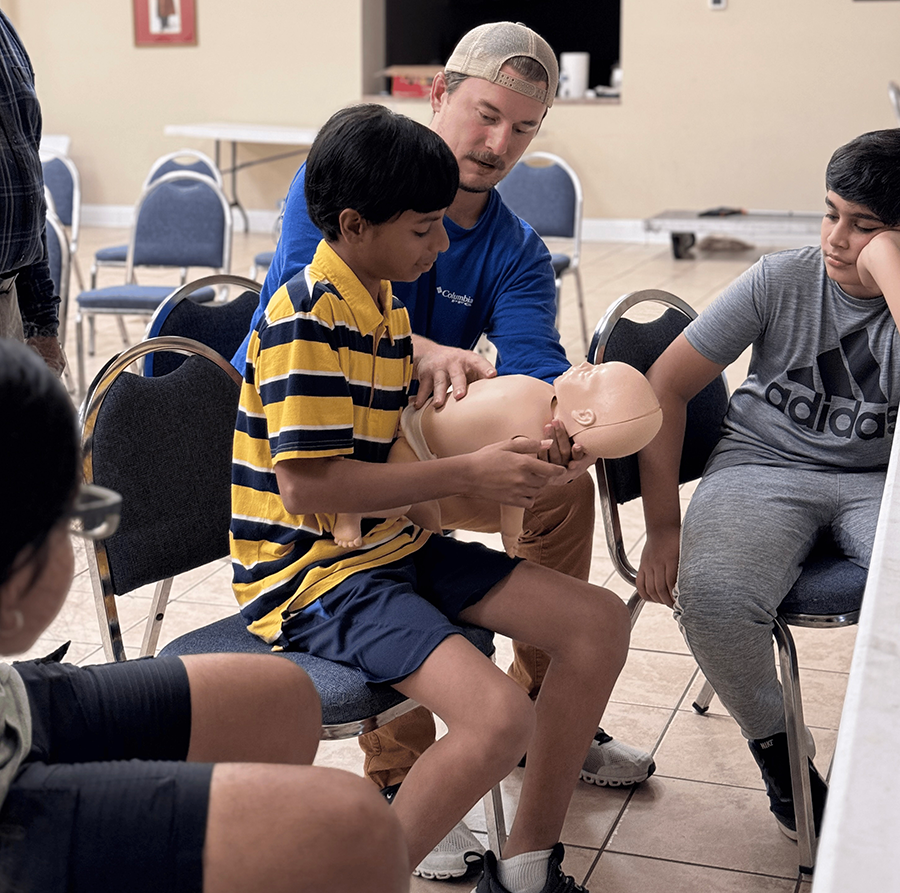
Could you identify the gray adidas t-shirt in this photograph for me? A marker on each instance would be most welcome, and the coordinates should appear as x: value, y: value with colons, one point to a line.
x: 824, y: 377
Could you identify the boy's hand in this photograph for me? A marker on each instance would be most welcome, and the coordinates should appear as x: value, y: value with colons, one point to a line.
x: 563, y: 452
x: 439, y: 368
x: 658, y: 569
x: 510, y: 473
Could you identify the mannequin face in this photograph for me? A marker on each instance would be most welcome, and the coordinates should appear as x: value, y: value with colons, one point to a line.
x: 37, y: 590
x: 609, y: 408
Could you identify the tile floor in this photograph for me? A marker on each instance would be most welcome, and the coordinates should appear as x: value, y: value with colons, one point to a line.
x: 701, y: 823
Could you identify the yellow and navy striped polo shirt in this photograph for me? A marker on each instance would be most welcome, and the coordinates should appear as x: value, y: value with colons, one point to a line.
x: 327, y: 375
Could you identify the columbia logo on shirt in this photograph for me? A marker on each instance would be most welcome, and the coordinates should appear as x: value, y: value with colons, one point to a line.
x: 453, y: 297
x: 847, y: 399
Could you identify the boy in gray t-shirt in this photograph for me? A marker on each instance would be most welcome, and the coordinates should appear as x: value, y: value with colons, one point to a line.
x: 804, y: 447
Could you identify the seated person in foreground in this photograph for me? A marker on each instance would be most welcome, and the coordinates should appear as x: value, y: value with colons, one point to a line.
x: 329, y: 367
x: 804, y: 446
x: 608, y: 411
x: 164, y: 774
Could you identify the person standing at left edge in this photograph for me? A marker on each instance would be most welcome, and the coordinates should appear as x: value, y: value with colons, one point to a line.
x: 29, y: 309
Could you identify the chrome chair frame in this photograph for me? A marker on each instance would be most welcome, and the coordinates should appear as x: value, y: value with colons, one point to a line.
x: 160, y: 324
x: 894, y: 97
x: 73, y: 228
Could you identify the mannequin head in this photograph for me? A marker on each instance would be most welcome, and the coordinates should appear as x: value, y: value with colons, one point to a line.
x: 610, y: 409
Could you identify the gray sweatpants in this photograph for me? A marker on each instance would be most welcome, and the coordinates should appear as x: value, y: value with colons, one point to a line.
x: 745, y: 533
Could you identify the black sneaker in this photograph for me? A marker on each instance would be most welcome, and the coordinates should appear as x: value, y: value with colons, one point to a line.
x: 557, y: 882
x: 771, y: 755
x: 390, y: 792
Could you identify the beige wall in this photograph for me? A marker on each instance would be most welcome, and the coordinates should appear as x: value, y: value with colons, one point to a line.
x: 737, y: 107
x: 268, y: 63
x: 740, y: 107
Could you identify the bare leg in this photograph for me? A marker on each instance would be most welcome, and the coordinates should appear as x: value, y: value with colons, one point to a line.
x: 259, y: 708
x: 585, y: 631
x: 282, y: 828
x: 487, y: 734
x: 292, y: 829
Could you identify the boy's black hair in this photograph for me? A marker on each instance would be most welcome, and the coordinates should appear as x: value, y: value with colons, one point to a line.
x: 866, y: 171
x: 378, y: 163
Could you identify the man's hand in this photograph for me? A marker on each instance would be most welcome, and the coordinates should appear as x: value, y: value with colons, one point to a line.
x: 439, y: 368
x: 51, y: 351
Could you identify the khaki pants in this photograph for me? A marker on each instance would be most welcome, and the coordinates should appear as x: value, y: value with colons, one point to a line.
x: 558, y: 533
x: 10, y: 318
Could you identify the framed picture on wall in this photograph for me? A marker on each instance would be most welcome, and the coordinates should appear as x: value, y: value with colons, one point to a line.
x: 160, y: 22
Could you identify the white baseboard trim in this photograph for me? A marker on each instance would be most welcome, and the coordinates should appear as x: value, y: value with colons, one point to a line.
x: 610, y: 229
x: 597, y: 229
x: 112, y: 216
x: 261, y: 221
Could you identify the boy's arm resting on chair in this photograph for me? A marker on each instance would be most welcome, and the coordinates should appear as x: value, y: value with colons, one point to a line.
x: 679, y: 373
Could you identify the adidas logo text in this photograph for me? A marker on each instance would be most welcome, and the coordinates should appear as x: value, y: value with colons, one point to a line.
x: 842, y: 420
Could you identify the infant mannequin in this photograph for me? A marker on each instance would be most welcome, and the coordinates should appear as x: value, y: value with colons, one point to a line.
x: 609, y: 409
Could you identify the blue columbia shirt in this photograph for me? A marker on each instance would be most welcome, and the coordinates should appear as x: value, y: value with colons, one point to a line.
x: 494, y: 279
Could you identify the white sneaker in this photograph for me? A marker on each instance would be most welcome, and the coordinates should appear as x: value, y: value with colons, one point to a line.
x: 610, y: 762
x: 453, y: 856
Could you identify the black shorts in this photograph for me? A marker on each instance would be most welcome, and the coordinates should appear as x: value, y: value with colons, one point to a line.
x: 104, y: 801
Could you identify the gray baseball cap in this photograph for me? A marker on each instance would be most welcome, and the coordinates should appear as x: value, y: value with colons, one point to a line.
x: 486, y: 49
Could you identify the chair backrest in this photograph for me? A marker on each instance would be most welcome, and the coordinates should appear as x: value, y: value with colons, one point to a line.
x: 60, y: 261
x: 639, y: 344
x: 894, y: 96
x: 221, y: 326
x: 62, y: 181
x: 165, y: 444
x: 546, y: 193
x: 181, y: 161
x: 181, y: 220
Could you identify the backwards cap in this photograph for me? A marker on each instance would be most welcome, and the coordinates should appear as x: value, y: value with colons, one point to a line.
x: 486, y: 49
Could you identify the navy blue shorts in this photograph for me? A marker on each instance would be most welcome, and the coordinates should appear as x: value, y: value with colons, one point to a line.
x: 103, y: 801
x: 387, y: 620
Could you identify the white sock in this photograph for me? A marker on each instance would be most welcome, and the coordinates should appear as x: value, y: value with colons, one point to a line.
x: 525, y: 873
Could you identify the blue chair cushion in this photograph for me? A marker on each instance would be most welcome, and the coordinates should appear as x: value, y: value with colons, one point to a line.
x: 264, y: 258
x: 135, y: 297
x: 827, y: 585
x: 114, y: 254
x: 345, y: 695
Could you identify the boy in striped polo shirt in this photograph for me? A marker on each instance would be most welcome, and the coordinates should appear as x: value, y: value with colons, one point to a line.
x: 328, y: 372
